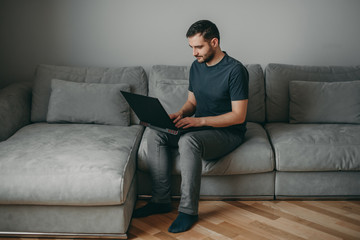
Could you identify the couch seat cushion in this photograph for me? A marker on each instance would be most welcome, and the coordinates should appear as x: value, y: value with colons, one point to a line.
x: 253, y: 156
x: 68, y: 164
x: 315, y: 147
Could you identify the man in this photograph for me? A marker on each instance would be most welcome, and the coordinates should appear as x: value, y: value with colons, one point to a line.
x: 218, y: 93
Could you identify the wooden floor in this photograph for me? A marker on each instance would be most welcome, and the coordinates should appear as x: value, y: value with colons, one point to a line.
x: 258, y: 220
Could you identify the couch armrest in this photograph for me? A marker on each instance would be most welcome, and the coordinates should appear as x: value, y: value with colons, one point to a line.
x: 15, y: 106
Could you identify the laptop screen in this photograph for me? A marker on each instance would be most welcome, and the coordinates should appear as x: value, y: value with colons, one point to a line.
x: 149, y: 110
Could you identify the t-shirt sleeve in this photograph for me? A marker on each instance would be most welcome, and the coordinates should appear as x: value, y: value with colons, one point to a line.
x: 190, y: 78
x: 239, y: 83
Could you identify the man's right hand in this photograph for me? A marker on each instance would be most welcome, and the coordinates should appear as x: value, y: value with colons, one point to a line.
x: 188, y: 109
x: 176, y: 116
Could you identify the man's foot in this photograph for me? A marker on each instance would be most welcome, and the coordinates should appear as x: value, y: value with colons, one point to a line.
x: 183, y: 222
x: 152, y: 208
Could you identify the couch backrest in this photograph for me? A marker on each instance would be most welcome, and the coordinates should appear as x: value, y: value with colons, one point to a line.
x: 134, y: 76
x: 278, y: 76
x: 170, y: 85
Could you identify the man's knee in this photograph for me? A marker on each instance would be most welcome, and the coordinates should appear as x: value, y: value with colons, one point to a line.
x: 189, y: 142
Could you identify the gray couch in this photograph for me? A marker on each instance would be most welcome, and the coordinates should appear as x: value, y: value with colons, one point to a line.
x: 82, y: 178
x: 70, y: 178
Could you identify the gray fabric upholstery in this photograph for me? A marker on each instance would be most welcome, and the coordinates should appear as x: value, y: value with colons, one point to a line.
x: 88, y: 103
x: 134, y: 76
x: 255, y: 185
x: 68, y: 164
x: 278, y: 77
x: 324, y: 102
x: 317, y: 184
x: 14, y: 108
x: 256, y: 105
x: 81, y: 177
x: 244, y: 185
x: 71, y: 178
x: 69, y: 219
x: 170, y: 85
x: 315, y: 147
x: 253, y: 156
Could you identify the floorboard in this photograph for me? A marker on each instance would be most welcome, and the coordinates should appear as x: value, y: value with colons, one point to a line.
x: 298, y: 220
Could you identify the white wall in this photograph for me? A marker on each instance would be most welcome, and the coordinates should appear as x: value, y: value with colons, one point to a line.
x: 147, y: 32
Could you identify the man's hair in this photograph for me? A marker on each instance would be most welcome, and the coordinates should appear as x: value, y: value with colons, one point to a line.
x: 206, y: 28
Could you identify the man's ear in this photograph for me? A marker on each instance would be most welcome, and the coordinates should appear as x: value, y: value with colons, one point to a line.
x: 214, y: 42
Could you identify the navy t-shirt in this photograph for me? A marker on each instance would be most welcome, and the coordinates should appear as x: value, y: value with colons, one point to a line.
x: 216, y: 86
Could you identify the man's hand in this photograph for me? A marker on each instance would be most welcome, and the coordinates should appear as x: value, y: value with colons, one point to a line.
x: 176, y: 116
x: 190, y: 122
x: 185, y: 122
x: 188, y: 109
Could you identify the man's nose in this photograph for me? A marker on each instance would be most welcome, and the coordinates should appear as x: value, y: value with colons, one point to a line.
x: 195, y: 53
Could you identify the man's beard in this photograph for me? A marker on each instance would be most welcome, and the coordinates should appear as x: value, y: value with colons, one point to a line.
x: 207, y: 57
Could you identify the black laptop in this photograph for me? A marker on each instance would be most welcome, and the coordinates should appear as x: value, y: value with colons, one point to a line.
x: 152, y: 114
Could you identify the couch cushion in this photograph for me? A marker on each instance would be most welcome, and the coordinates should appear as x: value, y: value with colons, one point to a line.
x: 68, y: 164
x: 170, y: 85
x: 324, y: 102
x: 14, y: 108
x: 134, y: 76
x: 88, y: 103
x: 255, y: 155
x: 317, y: 185
x: 315, y: 147
x: 278, y: 77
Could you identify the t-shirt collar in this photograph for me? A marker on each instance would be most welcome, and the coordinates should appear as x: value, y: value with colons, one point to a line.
x: 219, y: 63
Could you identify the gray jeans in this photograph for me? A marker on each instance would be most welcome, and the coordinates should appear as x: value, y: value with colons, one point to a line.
x: 208, y: 145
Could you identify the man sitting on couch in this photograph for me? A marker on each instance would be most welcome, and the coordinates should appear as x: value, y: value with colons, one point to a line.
x: 218, y: 93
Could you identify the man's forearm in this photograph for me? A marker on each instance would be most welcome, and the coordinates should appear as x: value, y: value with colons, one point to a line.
x: 236, y: 116
x: 224, y: 120
x: 188, y: 109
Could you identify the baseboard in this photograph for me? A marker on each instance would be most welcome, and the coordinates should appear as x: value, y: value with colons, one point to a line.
x: 62, y: 235
x: 320, y: 198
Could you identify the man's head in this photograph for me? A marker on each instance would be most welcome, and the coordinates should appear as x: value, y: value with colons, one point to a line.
x: 206, y: 29
x: 204, y: 39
